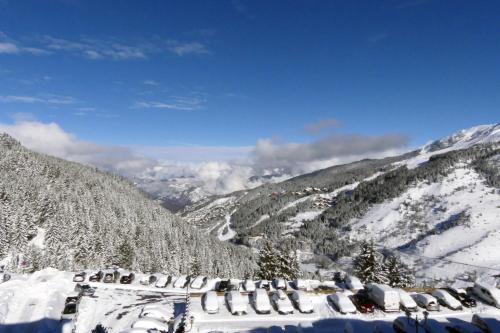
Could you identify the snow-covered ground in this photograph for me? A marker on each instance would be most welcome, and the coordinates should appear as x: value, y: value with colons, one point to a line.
x: 457, y: 219
x: 33, y: 303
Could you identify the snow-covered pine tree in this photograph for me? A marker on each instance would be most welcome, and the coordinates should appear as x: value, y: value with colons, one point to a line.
x: 368, y: 265
x: 269, y: 263
x: 289, y: 265
x: 399, y: 274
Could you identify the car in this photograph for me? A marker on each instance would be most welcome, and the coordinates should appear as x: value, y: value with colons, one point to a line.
x: 406, y: 302
x: 341, y: 302
x: 127, y: 277
x: 462, y: 296
x: 234, y: 284
x: 302, y: 301
x: 487, y: 293
x: 264, y: 284
x: 426, y: 301
x: 182, y: 281
x: 69, y: 311
x: 210, y: 302
x: 260, y: 301
x: 249, y: 285
x: 151, y: 324
x: 300, y: 284
x: 111, y: 276
x: 279, y: 284
x: 445, y: 299
x: 84, y: 289
x: 4, y: 277
x: 405, y: 325
x: 362, y: 302
x: 236, y: 303
x: 96, y: 277
x: 199, y: 282
x: 73, y: 298
x: 486, y: 324
x: 155, y: 313
x: 79, y: 277
x: 281, y: 302
x: 353, y: 283
x: 222, y: 286
x: 163, y: 281
x: 147, y: 280
x: 463, y: 328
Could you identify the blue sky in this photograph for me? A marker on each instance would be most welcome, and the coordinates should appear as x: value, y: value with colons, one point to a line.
x: 229, y: 73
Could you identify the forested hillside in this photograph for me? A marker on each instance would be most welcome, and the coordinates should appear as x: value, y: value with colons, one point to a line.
x: 69, y: 216
x: 326, y: 212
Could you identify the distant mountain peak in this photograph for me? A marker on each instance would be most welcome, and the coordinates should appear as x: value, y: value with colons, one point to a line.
x: 6, y: 141
x: 466, y: 138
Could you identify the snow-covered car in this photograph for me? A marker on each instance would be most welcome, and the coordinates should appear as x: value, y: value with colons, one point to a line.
x: 279, y: 284
x: 4, y: 277
x: 249, y: 285
x: 222, y: 286
x: 405, y: 325
x: 84, y: 289
x: 282, y: 303
x: 69, y: 311
x: 163, y: 281
x: 462, y: 296
x: 210, y: 302
x: 341, y: 303
x: 426, y: 301
x: 111, y: 276
x: 362, y: 302
x: 73, y: 298
x: 79, y: 277
x: 486, y: 324
x: 155, y: 313
x: 127, y: 277
x: 147, y: 280
x: 260, y: 301
x: 406, y: 301
x: 353, y: 283
x: 487, y: 293
x: 302, y: 301
x: 445, y: 299
x: 199, y: 282
x: 234, y: 284
x: 236, y: 303
x: 96, y: 277
x: 300, y: 284
x: 151, y: 324
x: 181, y: 282
x: 264, y: 284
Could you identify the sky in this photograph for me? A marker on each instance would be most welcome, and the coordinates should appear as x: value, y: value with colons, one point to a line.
x: 130, y: 85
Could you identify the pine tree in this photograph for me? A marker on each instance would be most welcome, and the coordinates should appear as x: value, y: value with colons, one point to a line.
x: 398, y: 274
x: 269, y: 266
x: 368, y: 265
x: 125, y: 255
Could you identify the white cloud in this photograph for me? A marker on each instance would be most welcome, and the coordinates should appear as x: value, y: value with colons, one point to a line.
x: 181, y: 103
x: 186, y: 48
x: 9, y: 48
x: 215, y: 169
x: 42, y: 98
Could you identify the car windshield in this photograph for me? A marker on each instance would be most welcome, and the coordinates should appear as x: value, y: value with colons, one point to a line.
x: 69, y: 309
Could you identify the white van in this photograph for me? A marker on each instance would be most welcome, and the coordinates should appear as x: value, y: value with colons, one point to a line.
x: 384, y: 296
x: 407, y: 303
x: 260, y: 301
x: 353, y: 283
x: 487, y: 293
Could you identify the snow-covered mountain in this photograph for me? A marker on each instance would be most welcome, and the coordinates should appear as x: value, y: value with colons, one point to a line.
x: 70, y: 216
x: 438, y: 207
